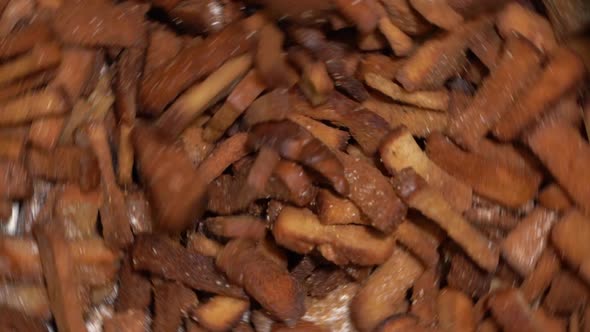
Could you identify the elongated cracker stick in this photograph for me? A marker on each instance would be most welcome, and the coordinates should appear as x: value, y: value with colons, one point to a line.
x: 419, y: 121
x: 537, y: 282
x: 434, y: 100
x: 25, y: 85
x: 238, y: 100
x: 45, y: 132
x: 439, y: 59
x: 400, y: 43
x: 455, y: 311
x: 258, y: 177
x: 204, y: 16
x: 163, y: 46
x: 220, y: 313
x: 195, y: 100
x: 270, y: 63
x: 76, y: 68
x: 418, y: 242
x: 43, y: 56
x: 508, y: 185
x: 332, y: 137
x: 125, y: 156
x: 438, y: 12
x: 524, y: 245
x: 266, y: 281
x: 519, y: 63
x: 467, y: 277
x: 400, y: 150
x: 379, y: 297
x: 315, y: 81
x: 301, y: 231
x: 194, y: 62
x: 555, y: 198
x: 432, y: 204
x: 562, y: 74
x: 126, y: 89
x: 508, y: 155
x: 23, y: 40
x: 405, y: 17
x: 113, y: 212
x: 424, y: 295
x: 565, y: 153
x: 62, y: 285
x: 33, y: 106
x: 84, y: 24
x: 516, y: 19
x: 28, y: 299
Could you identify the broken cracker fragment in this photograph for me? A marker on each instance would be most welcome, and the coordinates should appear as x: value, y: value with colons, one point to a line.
x: 315, y: 81
x: 512, y: 312
x: 555, y: 198
x: 537, y: 282
x: 400, y: 43
x: 419, y: 195
x: 129, y: 321
x: 243, y: 226
x: 29, y: 299
x: 24, y: 39
x: 336, y: 210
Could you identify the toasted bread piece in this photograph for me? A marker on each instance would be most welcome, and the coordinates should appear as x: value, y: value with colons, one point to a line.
x: 512, y: 312
x: 554, y: 197
x: 335, y: 210
x: 438, y: 12
x: 516, y: 19
x: 130, y: 321
x: 535, y: 284
x: 424, y: 297
x: 437, y: 100
x: 237, y: 226
x: 568, y: 236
